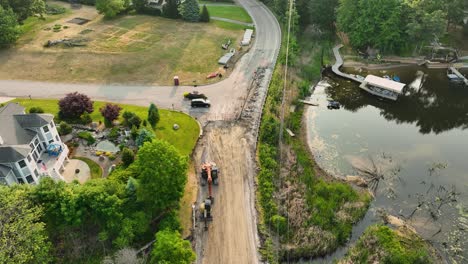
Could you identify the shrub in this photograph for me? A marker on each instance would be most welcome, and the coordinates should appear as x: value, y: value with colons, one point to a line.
x: 131, y: 119
x: 9, y: 28
x: 134, y: 132
x: 110, y: 8
x: 145, y: 123
x: 74, y: 105
x: 127, y: 157
x: 36, y: 110
x: 171, y: 9
x: 64, y: 128
x: 110, y: 112
x: 113, y: 134
x: 112, y: 157
x: 205, y: 15
x: 153, y: 115
x: 87, y: 136
x: 144, y: 136
x: 279, y: 224
x: 189, y: 10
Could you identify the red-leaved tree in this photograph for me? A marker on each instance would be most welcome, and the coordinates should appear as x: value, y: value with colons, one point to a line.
x: 73, y: 105
x: 110, y: 112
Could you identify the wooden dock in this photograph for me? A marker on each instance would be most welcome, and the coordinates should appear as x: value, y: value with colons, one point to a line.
x: 461, y: 76
x: 339, y: 62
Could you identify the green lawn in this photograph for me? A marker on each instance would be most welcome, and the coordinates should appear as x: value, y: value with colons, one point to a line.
x: 231, y: 12
x: 32, y: 25
x: 96, y: 170
x: 183, y: 139
x: 228, y: 25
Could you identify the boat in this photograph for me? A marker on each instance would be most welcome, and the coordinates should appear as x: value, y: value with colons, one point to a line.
x: 382, y: 87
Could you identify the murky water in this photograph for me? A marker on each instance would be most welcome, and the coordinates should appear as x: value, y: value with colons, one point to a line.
x: 418, y: 144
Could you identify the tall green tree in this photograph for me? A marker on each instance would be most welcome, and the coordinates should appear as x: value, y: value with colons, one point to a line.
x: 189, y: 10
x: 162, y: 176
x: 171, y: 248
x: 205, y: 15
x: 323, y: 13
x: 22, y: 235
x: 153, y: 115
x: 24, y: 8
x: 9, y: 29
x: 144, y: 136
x: 110, y: 8
x: 171, y: 9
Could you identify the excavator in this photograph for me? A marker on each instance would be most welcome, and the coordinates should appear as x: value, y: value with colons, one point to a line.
x: 209, y: 174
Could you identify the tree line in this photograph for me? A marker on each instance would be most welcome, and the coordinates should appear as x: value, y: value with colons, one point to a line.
x: 389, y: 25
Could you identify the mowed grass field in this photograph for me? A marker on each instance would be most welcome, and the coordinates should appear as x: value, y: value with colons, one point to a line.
x: 184, y: 139
x: 231, y: 12
x: 129, y: 49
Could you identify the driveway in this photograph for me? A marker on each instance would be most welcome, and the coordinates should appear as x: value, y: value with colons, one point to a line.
x: 226, y: 96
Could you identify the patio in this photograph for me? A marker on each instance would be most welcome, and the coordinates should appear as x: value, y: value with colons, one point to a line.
x: 69, y: 174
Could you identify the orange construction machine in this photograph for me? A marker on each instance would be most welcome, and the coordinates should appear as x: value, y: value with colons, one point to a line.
x: 209, y: 174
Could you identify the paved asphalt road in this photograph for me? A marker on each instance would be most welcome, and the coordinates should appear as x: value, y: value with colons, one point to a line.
x: 226, y: 96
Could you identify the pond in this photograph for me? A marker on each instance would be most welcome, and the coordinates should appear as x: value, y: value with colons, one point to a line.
x: 417, y: 147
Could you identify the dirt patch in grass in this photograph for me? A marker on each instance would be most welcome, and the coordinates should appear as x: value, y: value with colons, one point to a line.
x: 129, y: 49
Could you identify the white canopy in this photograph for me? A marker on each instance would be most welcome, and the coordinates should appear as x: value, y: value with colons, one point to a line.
x: 384, y: 83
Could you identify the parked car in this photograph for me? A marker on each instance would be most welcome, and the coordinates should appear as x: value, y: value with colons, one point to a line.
x: 200, y: 103
x: 333, y: 105
x: 194, y: 95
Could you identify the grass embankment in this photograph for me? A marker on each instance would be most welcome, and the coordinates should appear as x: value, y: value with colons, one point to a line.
x: 380, y: 244
x: 321, y: 210
x: 230, y: 12
x: 96, y: 170
x: 184, y: 139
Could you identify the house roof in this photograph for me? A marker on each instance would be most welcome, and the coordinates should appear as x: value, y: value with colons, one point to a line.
x: 34, y: 120
x: 4, y: 170
x: 13, y: 153
x: 11, y: 131
x: 385, y: 83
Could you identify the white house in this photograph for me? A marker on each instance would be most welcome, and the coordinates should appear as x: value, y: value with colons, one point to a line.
x: 30, y: 147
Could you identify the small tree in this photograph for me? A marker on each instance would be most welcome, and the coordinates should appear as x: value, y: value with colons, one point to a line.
x: 110, y: 112
x: 139, y: 5
x: 134, y: 132
x: 171, y: 9
x: 64, y: 128
x: 73, y: 105
x: 36, y: 110
x: 205, y: 15
x: 153, y: 115
x: 9, y: 29
x: 110, y: 8
x: 131, y: 119
x: 144, y: 136
x: 127, y: 157
x: 171, y: 248
x: 190, y: 11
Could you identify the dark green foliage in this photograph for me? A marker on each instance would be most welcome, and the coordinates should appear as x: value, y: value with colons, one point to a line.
x: 322, y: 13
x: 205, y: 15
x: 279, y: 224
x: 85, y: 119
x: 171, y: 222
x: 131, y: 119
x: 24, y: 8
x: 162, y: 176
x: 139, y: 5
x: 171, y: 9
x: 381, y: 244
x: 269, y: 132
x: 64, y: 128
x: 110, y: 8
x: 9, y: 29
x: 144, y: 136
x: 189, y: 10
x: 145, y: 123
x: 113, y: 134
x: 127, y: 157
x: 87, y: 136
x: 465, y: 29
x: 153, y: 115
x: 36, y: 110
x: 23, y: 237
x: 134, y: 132
x: 171, y: 248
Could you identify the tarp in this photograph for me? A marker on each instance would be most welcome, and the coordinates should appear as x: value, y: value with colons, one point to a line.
x: 384, y: 83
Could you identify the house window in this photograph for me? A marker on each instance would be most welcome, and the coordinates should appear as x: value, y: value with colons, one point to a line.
x: 39, y: 147
x: 20, y: 180
x: 44, y: 144
x: 51, y: 141
x: 30, y: 179
x: 36, y: 142
x: 22, y: 164
x: 57, y: 138
x: 45, y: 128
x: 29, y: 158
x: 31, y: 145
x: 35, y: 156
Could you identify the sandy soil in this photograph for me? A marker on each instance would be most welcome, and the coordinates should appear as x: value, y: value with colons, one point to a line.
x: 231, y: 236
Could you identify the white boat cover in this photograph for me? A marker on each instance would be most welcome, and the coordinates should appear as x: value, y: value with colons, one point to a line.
x: 384, y: 83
